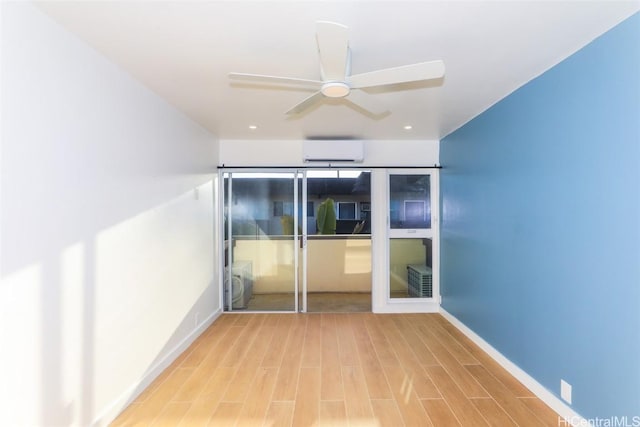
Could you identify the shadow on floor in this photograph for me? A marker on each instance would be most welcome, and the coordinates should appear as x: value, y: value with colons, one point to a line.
x: 326, y: 302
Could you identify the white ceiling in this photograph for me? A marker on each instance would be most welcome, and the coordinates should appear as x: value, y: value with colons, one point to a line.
x: 183, y: 51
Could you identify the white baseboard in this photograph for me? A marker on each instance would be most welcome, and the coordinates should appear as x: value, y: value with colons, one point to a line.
x: 405, y: 307
x: 571, y: 417
x: 130, y: 394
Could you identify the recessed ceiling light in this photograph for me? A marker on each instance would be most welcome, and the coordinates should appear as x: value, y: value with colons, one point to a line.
x: 253, y: 127
x: 408, y: 127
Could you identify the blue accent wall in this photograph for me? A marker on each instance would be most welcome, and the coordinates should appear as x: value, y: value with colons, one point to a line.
x: 541, y: 225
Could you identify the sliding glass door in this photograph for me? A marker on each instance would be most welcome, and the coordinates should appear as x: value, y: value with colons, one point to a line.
x: 312, y: 240
x: 297, y: 240
x: 261, y: 233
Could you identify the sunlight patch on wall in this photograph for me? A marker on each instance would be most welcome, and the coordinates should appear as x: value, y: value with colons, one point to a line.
x: 74, y: 315
x: 357, y: 257
x: 151, y: 272
x: 21, y: 361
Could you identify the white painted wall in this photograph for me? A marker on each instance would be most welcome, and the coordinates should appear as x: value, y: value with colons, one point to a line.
x: 289, y: 153
x: 107, y: 264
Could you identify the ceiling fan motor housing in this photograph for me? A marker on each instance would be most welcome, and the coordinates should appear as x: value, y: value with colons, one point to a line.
x: 335, y: 89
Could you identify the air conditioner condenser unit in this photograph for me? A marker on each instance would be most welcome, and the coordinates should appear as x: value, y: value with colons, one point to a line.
x: 420, y: 279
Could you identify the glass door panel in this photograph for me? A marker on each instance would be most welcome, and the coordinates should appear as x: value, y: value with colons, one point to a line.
x: 409, y: 202
x: 338, y: 244
x: 410, y: 268
x: 410, y: 236
x: 261, y: 231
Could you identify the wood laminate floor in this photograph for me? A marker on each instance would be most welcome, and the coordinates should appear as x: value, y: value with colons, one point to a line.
x: 359, y: 369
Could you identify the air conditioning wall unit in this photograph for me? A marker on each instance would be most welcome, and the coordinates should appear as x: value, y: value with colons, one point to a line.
x: 348, y: 150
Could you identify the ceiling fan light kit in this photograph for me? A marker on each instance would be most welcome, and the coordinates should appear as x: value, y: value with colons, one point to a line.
x: 335, y: 89
x: 335, y: 70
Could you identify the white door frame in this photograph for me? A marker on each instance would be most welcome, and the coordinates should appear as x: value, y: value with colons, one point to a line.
x: 380, y: 300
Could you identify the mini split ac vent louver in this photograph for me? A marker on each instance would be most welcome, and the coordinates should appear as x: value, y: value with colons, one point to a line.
x: 333, y: 151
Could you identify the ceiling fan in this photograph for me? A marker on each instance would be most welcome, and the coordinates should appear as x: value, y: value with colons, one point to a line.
x: 335, y: 71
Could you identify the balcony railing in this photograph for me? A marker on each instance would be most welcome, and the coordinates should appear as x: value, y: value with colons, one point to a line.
x: 336, y: 263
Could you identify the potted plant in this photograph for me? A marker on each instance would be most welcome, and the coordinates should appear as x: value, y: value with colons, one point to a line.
x: 326, y: 217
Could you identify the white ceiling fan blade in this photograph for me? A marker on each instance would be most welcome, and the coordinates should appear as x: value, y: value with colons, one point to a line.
x: 260, y: 78
x: 305, y: 104
x: 333, y: 48
x: 405, y: 74
x: 366, y: 102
